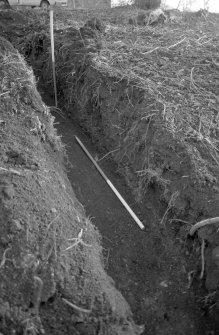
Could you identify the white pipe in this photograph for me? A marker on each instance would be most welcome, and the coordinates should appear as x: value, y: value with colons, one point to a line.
x: 133, y: 215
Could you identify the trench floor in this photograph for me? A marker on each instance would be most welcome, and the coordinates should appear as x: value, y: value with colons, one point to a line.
x: 151, y: 277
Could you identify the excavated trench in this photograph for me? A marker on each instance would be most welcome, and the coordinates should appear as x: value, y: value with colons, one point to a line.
x: 153, y: 281
x: 155, y: 269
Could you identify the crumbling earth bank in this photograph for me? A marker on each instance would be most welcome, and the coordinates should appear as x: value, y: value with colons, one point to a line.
x: 150, y: 95
x: 182, y: 173
x: 51, y: 272
x: 153, y: 105
x: 132, y: 95
x: 164, y: 141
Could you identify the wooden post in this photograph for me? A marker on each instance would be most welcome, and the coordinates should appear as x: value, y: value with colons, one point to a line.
x: 53, y: 55
x: 133, y: 215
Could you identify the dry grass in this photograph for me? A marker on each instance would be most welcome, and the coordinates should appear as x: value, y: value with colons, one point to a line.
x: 18, y: 92
x: 173, y: 68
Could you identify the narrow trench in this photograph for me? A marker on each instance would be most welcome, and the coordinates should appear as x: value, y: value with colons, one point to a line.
x: 138, y: 262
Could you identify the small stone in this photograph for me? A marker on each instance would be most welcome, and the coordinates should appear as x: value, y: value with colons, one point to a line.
x: 164, y: 283
x: 16, y: 225
x: 8, y: 191
x: 33, y: 167
x: 53, y: 210
x: 4, y: 241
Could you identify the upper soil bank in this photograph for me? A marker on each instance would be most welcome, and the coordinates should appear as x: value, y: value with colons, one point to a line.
x: 49, y: 250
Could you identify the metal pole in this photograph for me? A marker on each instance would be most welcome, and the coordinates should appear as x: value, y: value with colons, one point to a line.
x: 53, y: 55
x: 139, y: 223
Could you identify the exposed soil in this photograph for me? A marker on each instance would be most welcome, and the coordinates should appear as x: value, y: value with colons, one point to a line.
x: 145, y: 107
x: 50, y: 252
x: 153, y: 280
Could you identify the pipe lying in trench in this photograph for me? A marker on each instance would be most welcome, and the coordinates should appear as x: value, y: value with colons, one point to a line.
x: 133, y: 215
